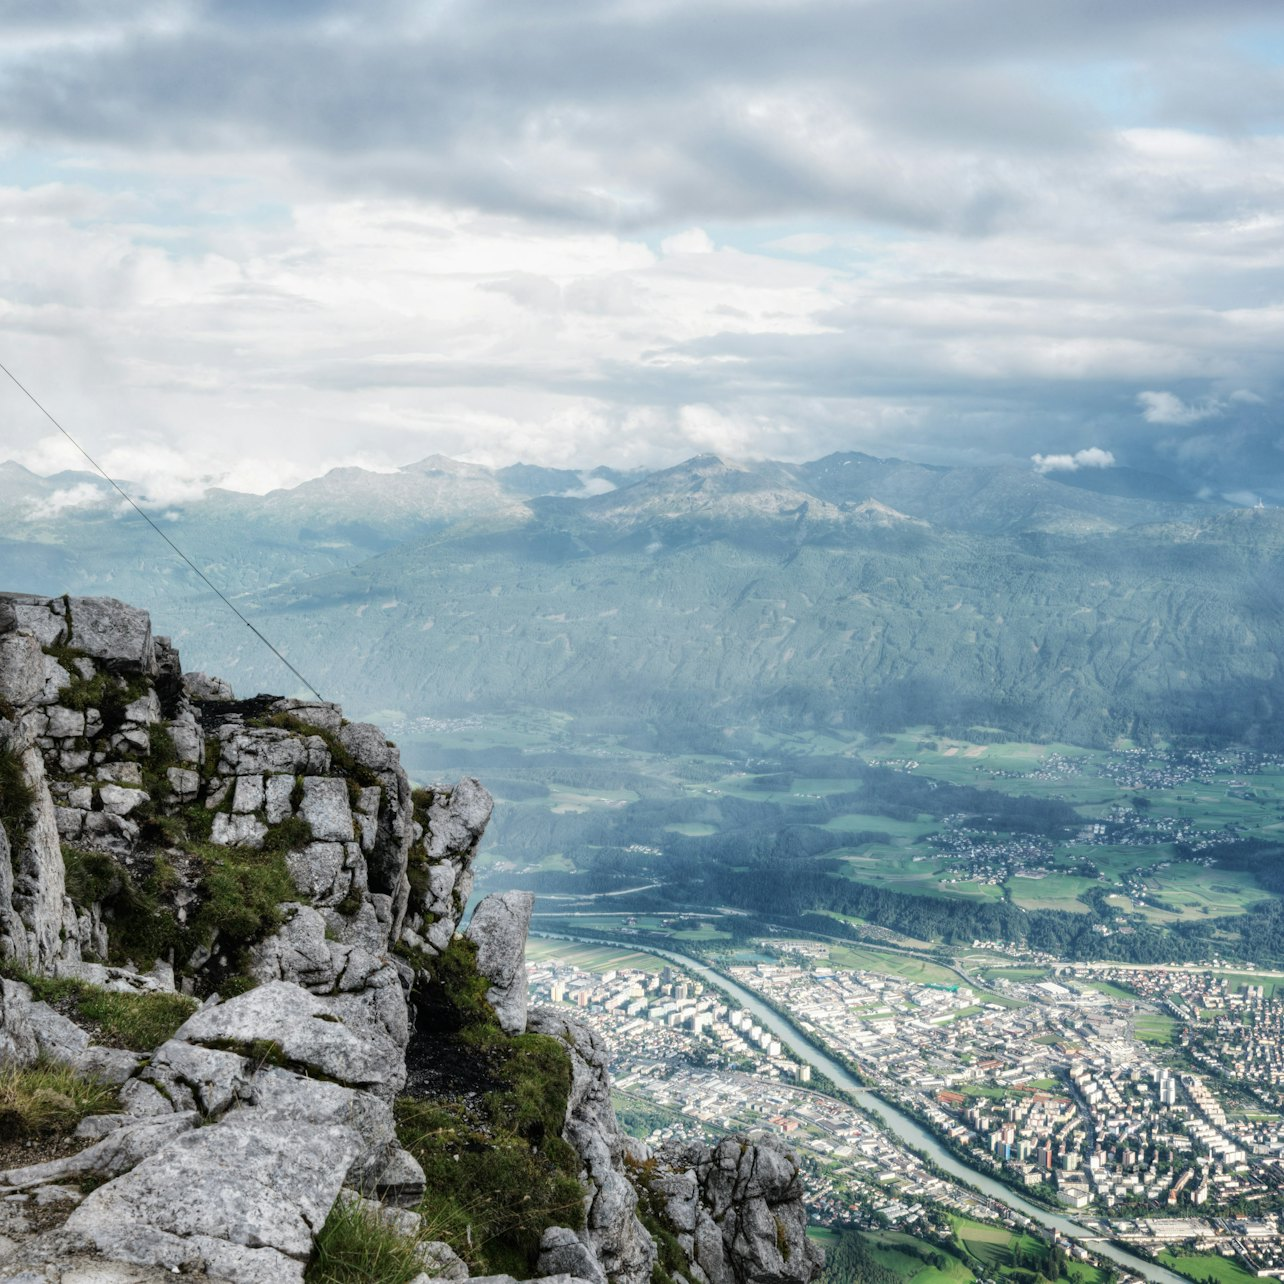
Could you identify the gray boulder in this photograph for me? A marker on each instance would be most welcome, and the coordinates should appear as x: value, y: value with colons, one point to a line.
x: 18, y: 1042
x: 454, y: 822
x: 241, y: 1198
x: 369, y: 746
x: 286, y: 1098
x: 746, y: 1205
x: 201, y: 687
x: 619, y: 1242
x: 561, y: 1252
x: 22, y: 668
x: 325, y: 807
x: 59, y: 1038
x: 442, y: 1262
x: 317, y: 870
x: 118, y: 635
x: 110, y: 1065
x: 196, y: 1078
x: 118, y: 1152
x: 498, y: 928
x: 307, y: 1032
x: 45, y: 617
x: 32, y: 881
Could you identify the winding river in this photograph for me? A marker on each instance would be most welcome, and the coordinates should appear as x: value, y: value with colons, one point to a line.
x: 897, y: 1121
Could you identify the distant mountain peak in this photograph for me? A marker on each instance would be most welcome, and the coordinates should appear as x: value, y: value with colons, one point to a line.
x: 884, y: 514
x: 444, y: 464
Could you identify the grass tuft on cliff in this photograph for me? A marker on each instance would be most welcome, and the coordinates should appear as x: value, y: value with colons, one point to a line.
x: 238, y: 892
x: 356, y: 1246
x: 47, y: 1098
x: 16, y: 800
x: 139, y: 1022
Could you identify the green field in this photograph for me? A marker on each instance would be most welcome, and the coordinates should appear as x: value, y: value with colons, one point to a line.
x: 888, y: 1248
x: 1203, y: 1266
x: 1017, y: 974
x: 993, y: 1247
x: 590, y: 958
x: 889, y: 963
x: 615, y: 923
x: 660, y: 805
x: 1237, y: 980
x: 1155, y: 1029
x: 1052, y: 891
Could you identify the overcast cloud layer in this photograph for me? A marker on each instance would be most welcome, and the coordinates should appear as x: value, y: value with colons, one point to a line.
x: 251, y: 240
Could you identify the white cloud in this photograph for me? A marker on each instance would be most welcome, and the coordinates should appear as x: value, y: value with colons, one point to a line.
x: 1168, y: 408
x: 694, y: 240
x: 1092, y: 457
x: 589, y: 487
x: 1242, y: 498
x: 240, y: 253
x: 82, y: 495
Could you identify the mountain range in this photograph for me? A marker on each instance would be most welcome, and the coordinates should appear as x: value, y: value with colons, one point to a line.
x: 849, y: 591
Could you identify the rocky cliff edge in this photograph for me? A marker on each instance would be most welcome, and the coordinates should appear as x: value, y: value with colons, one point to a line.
x: 234, y: 928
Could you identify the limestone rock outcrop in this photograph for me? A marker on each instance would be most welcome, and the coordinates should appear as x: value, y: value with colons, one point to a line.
x: 144, y: 774
x: 498, y: 928
x: 737, y: 1211
x: 614, y: 1236
x: 158, y: 834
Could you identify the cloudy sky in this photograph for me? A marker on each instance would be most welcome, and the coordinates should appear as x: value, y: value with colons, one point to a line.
x: 254, y: 239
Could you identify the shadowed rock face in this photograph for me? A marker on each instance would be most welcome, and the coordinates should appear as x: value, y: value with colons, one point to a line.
x: 292, y: 1081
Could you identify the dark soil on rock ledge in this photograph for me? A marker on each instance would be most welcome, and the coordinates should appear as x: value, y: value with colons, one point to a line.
x: 447, y: 1065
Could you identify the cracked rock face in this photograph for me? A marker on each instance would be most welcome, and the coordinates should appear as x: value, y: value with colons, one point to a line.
x: 616, y: 1240
x: 448, y: 828
x: 307, y: 1033
x: 738, y: 1212
x: 93, y: 694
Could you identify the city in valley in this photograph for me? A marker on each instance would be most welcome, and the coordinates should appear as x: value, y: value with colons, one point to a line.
x: 1144, y: 1104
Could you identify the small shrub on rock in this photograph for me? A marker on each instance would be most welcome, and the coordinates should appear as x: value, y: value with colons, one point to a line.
x: 48, y: 1098
x: 356, y: 1246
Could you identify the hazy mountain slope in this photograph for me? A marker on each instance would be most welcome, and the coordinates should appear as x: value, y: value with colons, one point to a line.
x: 851, y: 590
x: 865, y: 625
x: 990, y: 500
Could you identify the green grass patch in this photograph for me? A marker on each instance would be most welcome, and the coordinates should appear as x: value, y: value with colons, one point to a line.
x: 915, y: 1261
x: 1207, y: 1266
x: 498, y: 1172
x: 238, y: 890
x: 888, y: 963
x: 1014, y: 974
x: 357, y: 1246
x: 49, y: 1099
x: 1155, y: 1029
x: 109, y: 694
x: 137, y: 1021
